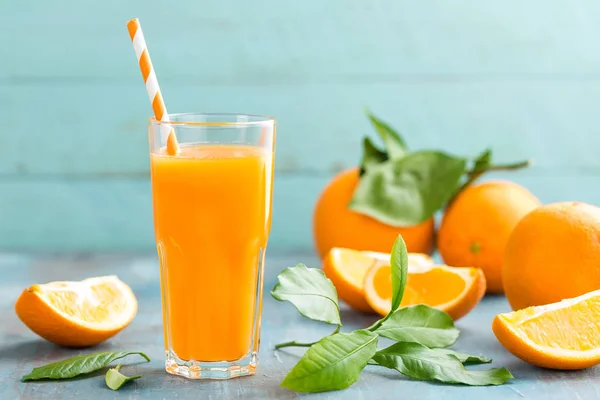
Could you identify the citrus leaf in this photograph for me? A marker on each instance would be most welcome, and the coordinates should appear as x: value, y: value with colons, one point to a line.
x: 421, y: 324
x: 393, y: 142
x: 483, y: 161
x: 114, y: 379
x: 419, y: 362
x: 466, y: 359
x: 310, y: 291
x: 333, y: 363
x: 74, y: 366
x: 409, y: 190
x: 371, y: 155
x: 399, y: 271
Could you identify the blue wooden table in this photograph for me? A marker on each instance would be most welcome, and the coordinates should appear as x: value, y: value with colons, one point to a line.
x: 21, y: 350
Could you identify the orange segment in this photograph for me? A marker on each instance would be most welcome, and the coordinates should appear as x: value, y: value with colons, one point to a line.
x: 563, y: 335
x: 77, y: 314
x: 347, y: 269
x: 451, y: 289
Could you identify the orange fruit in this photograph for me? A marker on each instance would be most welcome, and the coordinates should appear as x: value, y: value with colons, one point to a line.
x: 477, y: 224
x: 77, y: 314
x: 454, y: 290
x: 561, y: 335
x: 335, y: 225
x: 347, y: 269
x: 553, y: 254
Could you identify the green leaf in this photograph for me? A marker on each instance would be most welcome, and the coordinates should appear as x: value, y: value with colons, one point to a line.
x: 393, y: 142
x: 466, y: 359
x: 78, y: 365
x: 371, y: 155
x: 483, y: 161
x: 333, y: 363
x: 421, y: 324
x: 114, y: 379
x: 419, y: 362
x: 409, y: 190
x: 399, y: 271
x: 310, y: 291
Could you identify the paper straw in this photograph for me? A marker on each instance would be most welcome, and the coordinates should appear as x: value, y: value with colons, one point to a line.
x: 156, y: 99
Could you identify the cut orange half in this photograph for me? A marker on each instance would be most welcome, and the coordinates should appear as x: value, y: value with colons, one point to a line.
x: 563, y: 335
x: 347, y: 269
x: 77, y: 314
x: 451, y: 289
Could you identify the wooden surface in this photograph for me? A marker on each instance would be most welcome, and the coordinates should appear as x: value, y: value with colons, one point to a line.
x: 21, y: 350
x: 521, y: 77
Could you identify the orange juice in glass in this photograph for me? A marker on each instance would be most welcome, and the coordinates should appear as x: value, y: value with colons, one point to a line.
x: 212, y: 216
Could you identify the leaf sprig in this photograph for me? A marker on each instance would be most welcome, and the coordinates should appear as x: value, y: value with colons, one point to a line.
x: 78, y: 365
x: 399, y: 187
x: 421, y: 334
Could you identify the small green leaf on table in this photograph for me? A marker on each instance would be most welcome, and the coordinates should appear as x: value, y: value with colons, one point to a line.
x: 333, y: 363
x: 310, y: 291
x: 421, y: 324
x: 465, y: 359
x: 78, y: 365
x: 419, y: 362
x: 408, y: 190
x: 115, y: 379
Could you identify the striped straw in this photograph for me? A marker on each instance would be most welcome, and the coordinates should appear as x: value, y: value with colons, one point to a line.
x: 158, y: 105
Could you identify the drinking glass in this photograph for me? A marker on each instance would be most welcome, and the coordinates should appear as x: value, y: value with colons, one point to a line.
x: 212, y: 217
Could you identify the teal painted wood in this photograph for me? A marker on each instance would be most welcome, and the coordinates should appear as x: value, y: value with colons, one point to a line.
x: 21, y: 350
x: 278, y: 42
x: 116, y: 214
x: 101, y: 130
x: 520, y: 77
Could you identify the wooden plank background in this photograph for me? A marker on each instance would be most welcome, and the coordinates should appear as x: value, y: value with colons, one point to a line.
x: 521, y: 77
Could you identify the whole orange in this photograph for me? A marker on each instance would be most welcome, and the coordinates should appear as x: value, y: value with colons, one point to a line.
x: 335, y: 225
x: 553, y: 254
x: 476, y: 226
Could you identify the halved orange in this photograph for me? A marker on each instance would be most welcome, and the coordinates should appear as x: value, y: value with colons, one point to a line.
x: 563, y: 335
x: 451, y: 289
x: 77, y: 314
x: 347, y: 269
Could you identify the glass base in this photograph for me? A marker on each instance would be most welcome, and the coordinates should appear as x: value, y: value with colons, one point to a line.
x: 211, y: 370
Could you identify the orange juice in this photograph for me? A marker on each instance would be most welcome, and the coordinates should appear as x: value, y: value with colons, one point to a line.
x: 211, y: 220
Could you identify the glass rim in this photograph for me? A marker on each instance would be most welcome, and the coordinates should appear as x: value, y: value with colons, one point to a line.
x: 260, y: 120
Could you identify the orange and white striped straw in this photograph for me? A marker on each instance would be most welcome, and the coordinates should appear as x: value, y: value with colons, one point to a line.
x: 158, y: 105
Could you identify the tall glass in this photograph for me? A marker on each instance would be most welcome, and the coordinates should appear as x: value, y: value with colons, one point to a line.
x: 212, y: 217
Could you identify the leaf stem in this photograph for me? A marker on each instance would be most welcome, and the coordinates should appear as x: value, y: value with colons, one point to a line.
x: 474, y: 174
x: 293, y: 343
x: 377, y: 324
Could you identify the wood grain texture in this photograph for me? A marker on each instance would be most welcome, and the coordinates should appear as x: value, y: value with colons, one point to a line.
x: 72, y: 131
x: 21, y: 350
x: 116, y: 214
x: 274, y: 41
x: 520, y: 77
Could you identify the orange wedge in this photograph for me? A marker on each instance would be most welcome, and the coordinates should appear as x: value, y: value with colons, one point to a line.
x: 563, y: 335
x: 347, y: 269
x: 451, y: 289
x: 77, y: 314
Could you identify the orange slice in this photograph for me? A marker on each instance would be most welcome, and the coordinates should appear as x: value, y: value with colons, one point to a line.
x: 451, y: 289
x: 77, y: 314
x: 347, y: 269
x: 563, y: 335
